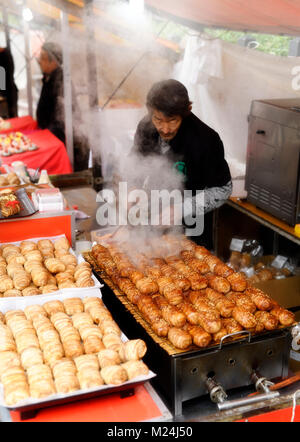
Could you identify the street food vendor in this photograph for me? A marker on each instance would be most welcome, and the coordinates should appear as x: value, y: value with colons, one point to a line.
x: 171, y: 129
x: 50, y: 110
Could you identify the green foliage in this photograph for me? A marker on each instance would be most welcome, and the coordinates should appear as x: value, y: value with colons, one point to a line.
x: 272, y: 44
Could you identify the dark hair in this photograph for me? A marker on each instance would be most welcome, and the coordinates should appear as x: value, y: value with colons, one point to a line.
x: 169, y: 97
x: 54, y: 52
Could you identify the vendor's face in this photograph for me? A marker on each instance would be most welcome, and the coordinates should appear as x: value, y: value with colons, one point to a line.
x: 167, y: 127
x: 47, y: 66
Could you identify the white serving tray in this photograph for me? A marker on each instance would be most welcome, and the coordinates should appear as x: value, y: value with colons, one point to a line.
x: 60, y: 398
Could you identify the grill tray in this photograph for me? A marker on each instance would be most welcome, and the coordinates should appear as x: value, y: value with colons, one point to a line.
x: 181, y: 374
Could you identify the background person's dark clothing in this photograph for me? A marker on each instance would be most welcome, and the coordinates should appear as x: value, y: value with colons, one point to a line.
x: 11, y: 92
x: 198, y: 150
x: 50, y: 115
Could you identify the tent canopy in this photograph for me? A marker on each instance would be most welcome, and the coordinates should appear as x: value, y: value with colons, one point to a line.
x: 267, y: 16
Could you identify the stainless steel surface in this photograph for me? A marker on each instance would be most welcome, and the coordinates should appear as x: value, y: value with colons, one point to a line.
x: 233, y: 365
x: 227, y: 405
x: 231, y: 335
x: 273, y: 158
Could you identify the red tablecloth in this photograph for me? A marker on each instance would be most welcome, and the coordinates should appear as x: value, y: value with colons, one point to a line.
x: 50, y: 155
x: 22, y: 124
x: 110, y: 408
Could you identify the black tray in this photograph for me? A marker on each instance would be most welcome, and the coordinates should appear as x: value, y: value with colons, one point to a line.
x: 27, y: 206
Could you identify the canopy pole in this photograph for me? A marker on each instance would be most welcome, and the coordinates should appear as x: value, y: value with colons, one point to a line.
x: 28, y: 63
x: 67, y: 86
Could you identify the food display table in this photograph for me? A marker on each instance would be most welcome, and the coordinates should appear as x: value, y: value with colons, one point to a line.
x: 270, y: 221
x: 50, y: 155
x: 24, y: 124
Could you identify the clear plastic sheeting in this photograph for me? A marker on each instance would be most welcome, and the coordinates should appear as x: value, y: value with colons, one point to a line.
x: 223, y: 79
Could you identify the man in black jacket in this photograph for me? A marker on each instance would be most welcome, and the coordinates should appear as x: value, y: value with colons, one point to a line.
x: 11, y: 91
x: 172, y: 130
x: 50, y: 109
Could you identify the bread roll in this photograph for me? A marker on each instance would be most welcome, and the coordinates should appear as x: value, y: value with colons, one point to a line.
x: 135, y: 368
x: 114, y: 374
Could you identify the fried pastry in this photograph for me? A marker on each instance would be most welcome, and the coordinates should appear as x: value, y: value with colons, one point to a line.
x: 62, y: 244
x: 31, y: 356
x: 21, y: 280
x: 6, y: 283
x: 12, y: 293
x: 49, y: 288
x: 237, y: 282
x: 219, y: 284
x: 54, y: 306
x: 45, y: 244
x: 113, y: 341
x: 107, y: 357
x: 40, y: 380
x: 27, y: 246
x: 88, y: 371
x: 39, y: 276
x: 244, y: 317
x: 33, y: 255
x: 65, y: 376
x: 15, y: 385
x: 16, y: 258
x: 135, y: 368
x: 260, y: 299
x: 69, y: 259
x: 284, y: 316
x: 134, y: 349
x: 200, y: 337
x: 179, y: 338
x: 31, y: 291
x: 34, y: 310
x: 54, y: 265
x: 109, y: 326
x: 7, y: 342
x: 8, y: 359
x: 73, y: 306
x: 114, y: 374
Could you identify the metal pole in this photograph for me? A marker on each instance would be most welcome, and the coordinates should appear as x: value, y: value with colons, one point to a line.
x: 91, y: 56
x: 28, y: 64
x: 6, y: 27
x: 67, y: 86
x: 94, y: 134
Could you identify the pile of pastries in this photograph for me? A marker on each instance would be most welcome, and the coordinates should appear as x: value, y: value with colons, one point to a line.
x: 30, y: 268
x: 9, y: 179
x: 185, y: 293
x: 9, y: 203
x: 14, y: 143
x: 242, y: 262
x: 62, y: 347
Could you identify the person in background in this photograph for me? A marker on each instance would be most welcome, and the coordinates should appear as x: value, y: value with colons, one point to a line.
x: 193, y: 148
x: 11, y: 91
x: 50, y: 109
